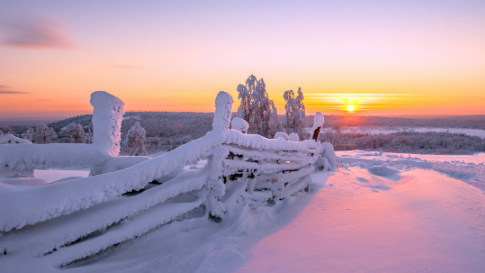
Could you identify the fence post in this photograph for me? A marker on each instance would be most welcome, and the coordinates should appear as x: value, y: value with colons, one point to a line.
x: 215, y: 184
x: 222, y: 115
x: 107, y: 116
x: 317, y: 125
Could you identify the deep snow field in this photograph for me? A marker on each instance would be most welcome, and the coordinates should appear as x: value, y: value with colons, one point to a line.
x: 380, y: 212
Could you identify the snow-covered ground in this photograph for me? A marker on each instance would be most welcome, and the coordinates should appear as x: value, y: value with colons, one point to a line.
x: 392, y: 130
x: 379, y: 212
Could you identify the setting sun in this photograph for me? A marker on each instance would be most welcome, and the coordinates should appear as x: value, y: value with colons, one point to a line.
x: 352, y: 104
x: 350, y: 108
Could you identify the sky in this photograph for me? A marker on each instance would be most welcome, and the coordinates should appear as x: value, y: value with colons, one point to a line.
x: 388, y: 58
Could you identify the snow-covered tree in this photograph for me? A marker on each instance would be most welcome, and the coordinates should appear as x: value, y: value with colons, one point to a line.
x: 88, y: 137
x: 44, y: 134
x: 295, y: 112
x: 29, y: 134
x: 274, y: 121
x: 135, y: 140
x: 6, y: 130
x: 256, y: 108
x: 75, y: 132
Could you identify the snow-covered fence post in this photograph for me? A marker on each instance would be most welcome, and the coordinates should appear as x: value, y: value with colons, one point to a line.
x: 107, y: 116
x: 215, y: 184
x: 317, y: 125
x: 222, y: 115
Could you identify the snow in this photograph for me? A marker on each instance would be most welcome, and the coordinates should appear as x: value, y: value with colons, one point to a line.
x: 317, y: 121
x: 425, y: 222
x: 57, y: 174
x: 327, y: 151
x: 239, y: 124
x: 392, y: 130
x: 294, y: 137
x: 24, y: 181
x: 26, y: 157
x: 282, y: 135
x: 222, y: 115
x: 107, y: 117
x: 375, y: 216
x: 11, y: 139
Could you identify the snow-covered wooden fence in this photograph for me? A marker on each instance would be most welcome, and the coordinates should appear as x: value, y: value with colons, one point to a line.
x: 70, y: 220
x: 101, y: 156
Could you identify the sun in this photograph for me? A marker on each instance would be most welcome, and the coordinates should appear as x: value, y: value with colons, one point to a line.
x: 351, y: 105
x: 350, y: 108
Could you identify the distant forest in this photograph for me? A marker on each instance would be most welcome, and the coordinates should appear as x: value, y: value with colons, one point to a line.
x: 168, y: 130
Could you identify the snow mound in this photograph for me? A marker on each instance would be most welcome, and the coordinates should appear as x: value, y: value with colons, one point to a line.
x: 386, y: 172
x: 11, y: 139
x: 294, y: 137
x: 24, y: 181
x: 283, y: 135
x: 240, y: 125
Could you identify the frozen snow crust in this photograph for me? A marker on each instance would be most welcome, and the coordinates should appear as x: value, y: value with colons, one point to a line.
x: 54, y: 219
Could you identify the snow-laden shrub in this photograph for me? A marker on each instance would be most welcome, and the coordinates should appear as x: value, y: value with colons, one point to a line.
x: 135, y: 140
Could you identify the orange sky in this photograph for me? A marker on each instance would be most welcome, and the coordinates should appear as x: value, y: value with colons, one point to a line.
x: 394, y: 59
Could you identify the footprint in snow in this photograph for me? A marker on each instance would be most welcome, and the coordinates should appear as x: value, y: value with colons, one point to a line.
x: 361, y: 179
x: 386, y: 172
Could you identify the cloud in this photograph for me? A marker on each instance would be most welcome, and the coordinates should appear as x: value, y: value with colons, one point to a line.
x: 2, y: 92
x: 35, y: 33
x: 3, y: 86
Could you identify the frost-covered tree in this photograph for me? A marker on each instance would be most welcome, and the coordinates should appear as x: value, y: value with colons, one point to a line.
x: 295, y: 112
x: 75, y: 132
x: 274, y: 121
x: 6, y: 130
x: 88, y: 137
x: 135, y: 140
x: 29, y: 134
x: 44, y: 134
x: 256, y: 108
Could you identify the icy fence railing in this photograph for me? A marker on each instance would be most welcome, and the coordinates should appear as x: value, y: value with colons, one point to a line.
x: 107, y: 117
x: 253, y: 167
x: 240, y: 168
